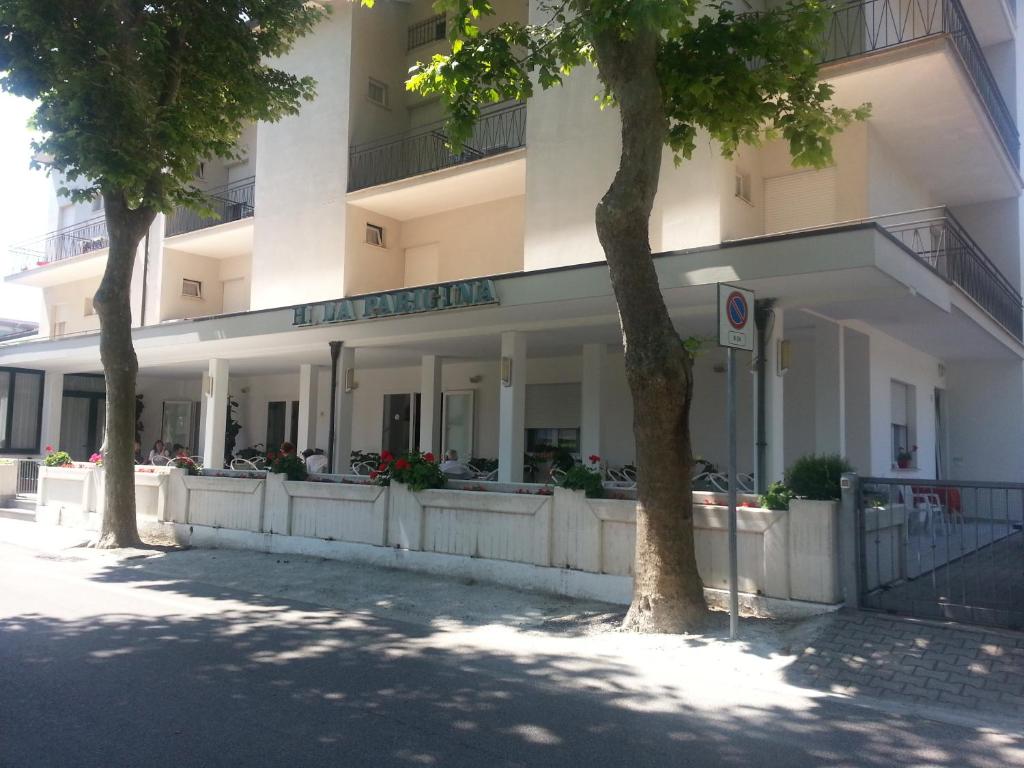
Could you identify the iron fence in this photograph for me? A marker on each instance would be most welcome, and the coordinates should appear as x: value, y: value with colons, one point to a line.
x: 499, y: 129
x: 28, y: 477
x: 75, y: 240
x: 427, y: 31
x: 232, y: 202
x: 944, y: 245
x: 942, y: 550
x: 864, y: 26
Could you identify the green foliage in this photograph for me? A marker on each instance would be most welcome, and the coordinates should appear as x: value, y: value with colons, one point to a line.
x: 777, y: 497
x: 586, y: 479
x: 133, y: 96
x: 57, y: 459
x: 291, y: 466
x: 817, y: 477
x: 231, y: 430
x: 742, y: 77
x: 419, y: 471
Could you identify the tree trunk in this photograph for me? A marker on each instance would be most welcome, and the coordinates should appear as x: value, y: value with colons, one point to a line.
x: 668, y: 594
x: 125, y: 230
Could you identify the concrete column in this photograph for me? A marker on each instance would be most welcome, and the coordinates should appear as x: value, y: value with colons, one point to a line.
x: 215, y: 413
x: 774, y: 398
x: 512, y: 408
x: 430, y: 405
x: 343, y: 413
x: 309, y: 380
x: 53, y: 400
x: 591, y: 400
x: 829, y: 386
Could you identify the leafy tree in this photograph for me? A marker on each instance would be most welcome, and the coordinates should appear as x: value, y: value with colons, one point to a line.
x: 673, y: 68
x: 132, y: 95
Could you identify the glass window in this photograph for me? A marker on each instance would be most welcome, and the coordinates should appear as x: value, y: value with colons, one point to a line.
x: 21, y: 394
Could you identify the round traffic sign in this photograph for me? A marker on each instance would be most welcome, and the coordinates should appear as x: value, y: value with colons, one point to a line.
x: 736, y: 310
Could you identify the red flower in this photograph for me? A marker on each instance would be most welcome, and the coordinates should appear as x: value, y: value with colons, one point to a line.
x: 373, y: 474
x: 401, y: 464
x: 49, y: 449
x: 428, y: 457
x: 386, y: 456
x: 595, y: 459
x: 383, y: 467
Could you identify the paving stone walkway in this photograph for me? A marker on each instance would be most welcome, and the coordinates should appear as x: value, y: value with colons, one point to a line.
x: 916, y: 663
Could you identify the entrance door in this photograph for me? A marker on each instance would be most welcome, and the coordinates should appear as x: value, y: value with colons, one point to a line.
x: 82, y: 425
x: 275, y: 424
x: 401, y: 423
x: 180, y: 425
x: 458, y: 423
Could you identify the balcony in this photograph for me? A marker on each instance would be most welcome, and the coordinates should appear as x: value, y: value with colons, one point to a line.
x: 940, y: 242
x: 232, y: 202
x: 872, y: 26
x: 501, y: 129
x: 74, y: 244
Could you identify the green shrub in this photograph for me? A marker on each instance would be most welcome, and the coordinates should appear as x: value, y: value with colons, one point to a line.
x: 586, y: 479
x: 817, y: 477
x: 776, y: 497
x: 291, y: 466
x: 419, y: 471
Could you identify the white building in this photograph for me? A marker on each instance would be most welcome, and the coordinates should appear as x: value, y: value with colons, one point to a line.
x: 470, y: 298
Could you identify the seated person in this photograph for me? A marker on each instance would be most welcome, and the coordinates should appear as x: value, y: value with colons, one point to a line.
x: 286, y: 449
x: 316, y: 461
x: 159, y: 456
x: 454, y: 468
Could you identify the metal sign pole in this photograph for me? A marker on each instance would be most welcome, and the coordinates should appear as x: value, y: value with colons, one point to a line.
x: 734, y: 598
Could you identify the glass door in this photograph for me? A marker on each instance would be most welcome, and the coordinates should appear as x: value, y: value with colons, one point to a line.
x: 457, y: 410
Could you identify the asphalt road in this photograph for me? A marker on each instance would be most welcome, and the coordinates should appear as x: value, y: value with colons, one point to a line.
x: 99, y: 670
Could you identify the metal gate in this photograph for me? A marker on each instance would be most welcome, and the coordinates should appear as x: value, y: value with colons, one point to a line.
x: 28, y: 477
x: 942, y: 550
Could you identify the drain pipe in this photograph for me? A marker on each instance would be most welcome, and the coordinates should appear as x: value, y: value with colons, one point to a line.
x: 335, y: 354
x: 763, y: 315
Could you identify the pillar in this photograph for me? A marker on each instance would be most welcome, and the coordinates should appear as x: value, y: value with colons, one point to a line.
x: 829, y: 389
x: 343, y: 410
x: 774, y: 380
x: 591, y: 400
x: 430, y: 405
x: 309, y: 380
x: 53, y: 399
x: 215, y: 413
x: 512, y: 407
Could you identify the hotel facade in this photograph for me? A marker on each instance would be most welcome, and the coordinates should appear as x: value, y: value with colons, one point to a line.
x: 461, y: 300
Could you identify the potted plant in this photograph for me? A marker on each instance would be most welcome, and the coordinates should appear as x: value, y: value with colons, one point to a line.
x: 57, y: 458
x: 291, y: 466
x: 905, y: 457
x: 584, y: 477
x: 418, y: 471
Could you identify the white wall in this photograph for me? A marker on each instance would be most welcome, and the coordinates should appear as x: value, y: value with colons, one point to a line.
x: 986, y: 426
x: 180, y: 265
x: 66, y: 303
x: 302, y: 166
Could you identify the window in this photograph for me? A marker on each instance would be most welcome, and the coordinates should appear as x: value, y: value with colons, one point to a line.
x: 88, y: 310
x: 192, y: 289
x: 544, y: 439
x: 375, y: 235
x: 377, y: 92
x: 743, y: 187
x: 21, y: 410
x: 903, y: 426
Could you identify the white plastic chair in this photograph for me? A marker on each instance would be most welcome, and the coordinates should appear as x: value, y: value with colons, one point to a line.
x: 363, y: 468
x: 245, y: 465
x: 316, y: 463
x: 929, y: 506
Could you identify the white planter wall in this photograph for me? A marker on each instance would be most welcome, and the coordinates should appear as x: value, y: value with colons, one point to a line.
x: 73, y: 496
x: 8, y: 480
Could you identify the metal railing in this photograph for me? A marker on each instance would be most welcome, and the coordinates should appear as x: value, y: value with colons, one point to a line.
x: 499, y: 129
x: 937, y: 549
x: 66, y: 243
x: 865, y: 26
x: 28, y: 477
x: 232, y: 202
x: 939, y: 240
x: 427, y: 31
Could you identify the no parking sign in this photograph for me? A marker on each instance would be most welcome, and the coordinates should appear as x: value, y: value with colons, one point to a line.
x: 735, y: 317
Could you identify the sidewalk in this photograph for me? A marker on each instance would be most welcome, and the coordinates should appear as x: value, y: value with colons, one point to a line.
x: 944, y: 672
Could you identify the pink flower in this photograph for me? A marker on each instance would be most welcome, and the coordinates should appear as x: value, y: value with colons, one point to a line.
x: 595, y: 459
x: 96, y: 458
x: 49, y: 449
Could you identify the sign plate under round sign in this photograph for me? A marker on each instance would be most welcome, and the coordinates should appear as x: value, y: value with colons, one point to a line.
x: 735, y: 317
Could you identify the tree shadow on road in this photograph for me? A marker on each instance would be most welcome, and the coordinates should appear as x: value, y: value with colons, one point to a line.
x: 259, y: 681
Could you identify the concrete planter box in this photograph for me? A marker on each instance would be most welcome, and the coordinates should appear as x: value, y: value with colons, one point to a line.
x: 814, y: 551
x: 67, y: 496
x: 332, y: 511
x: 8, y: 480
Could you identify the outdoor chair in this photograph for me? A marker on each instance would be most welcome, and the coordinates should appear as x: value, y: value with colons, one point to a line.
x: 927, y: 506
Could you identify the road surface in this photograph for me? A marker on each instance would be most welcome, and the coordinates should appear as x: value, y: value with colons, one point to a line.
x: 100, y: 666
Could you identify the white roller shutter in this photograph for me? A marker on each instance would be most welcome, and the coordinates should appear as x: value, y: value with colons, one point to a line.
x: 800, y: 200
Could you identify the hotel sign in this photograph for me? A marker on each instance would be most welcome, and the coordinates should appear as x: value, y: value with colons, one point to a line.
x: 468, y: 293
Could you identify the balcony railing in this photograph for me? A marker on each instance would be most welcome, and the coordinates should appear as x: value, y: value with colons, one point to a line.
x: 864, y: 26
x: 943, y: 244
x: 501, y: 128
x: 231, y: 202
x: 427, y: 31
x: 66, y: 243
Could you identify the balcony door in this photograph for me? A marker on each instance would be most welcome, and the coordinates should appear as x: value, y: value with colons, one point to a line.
x: 401, y: 423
